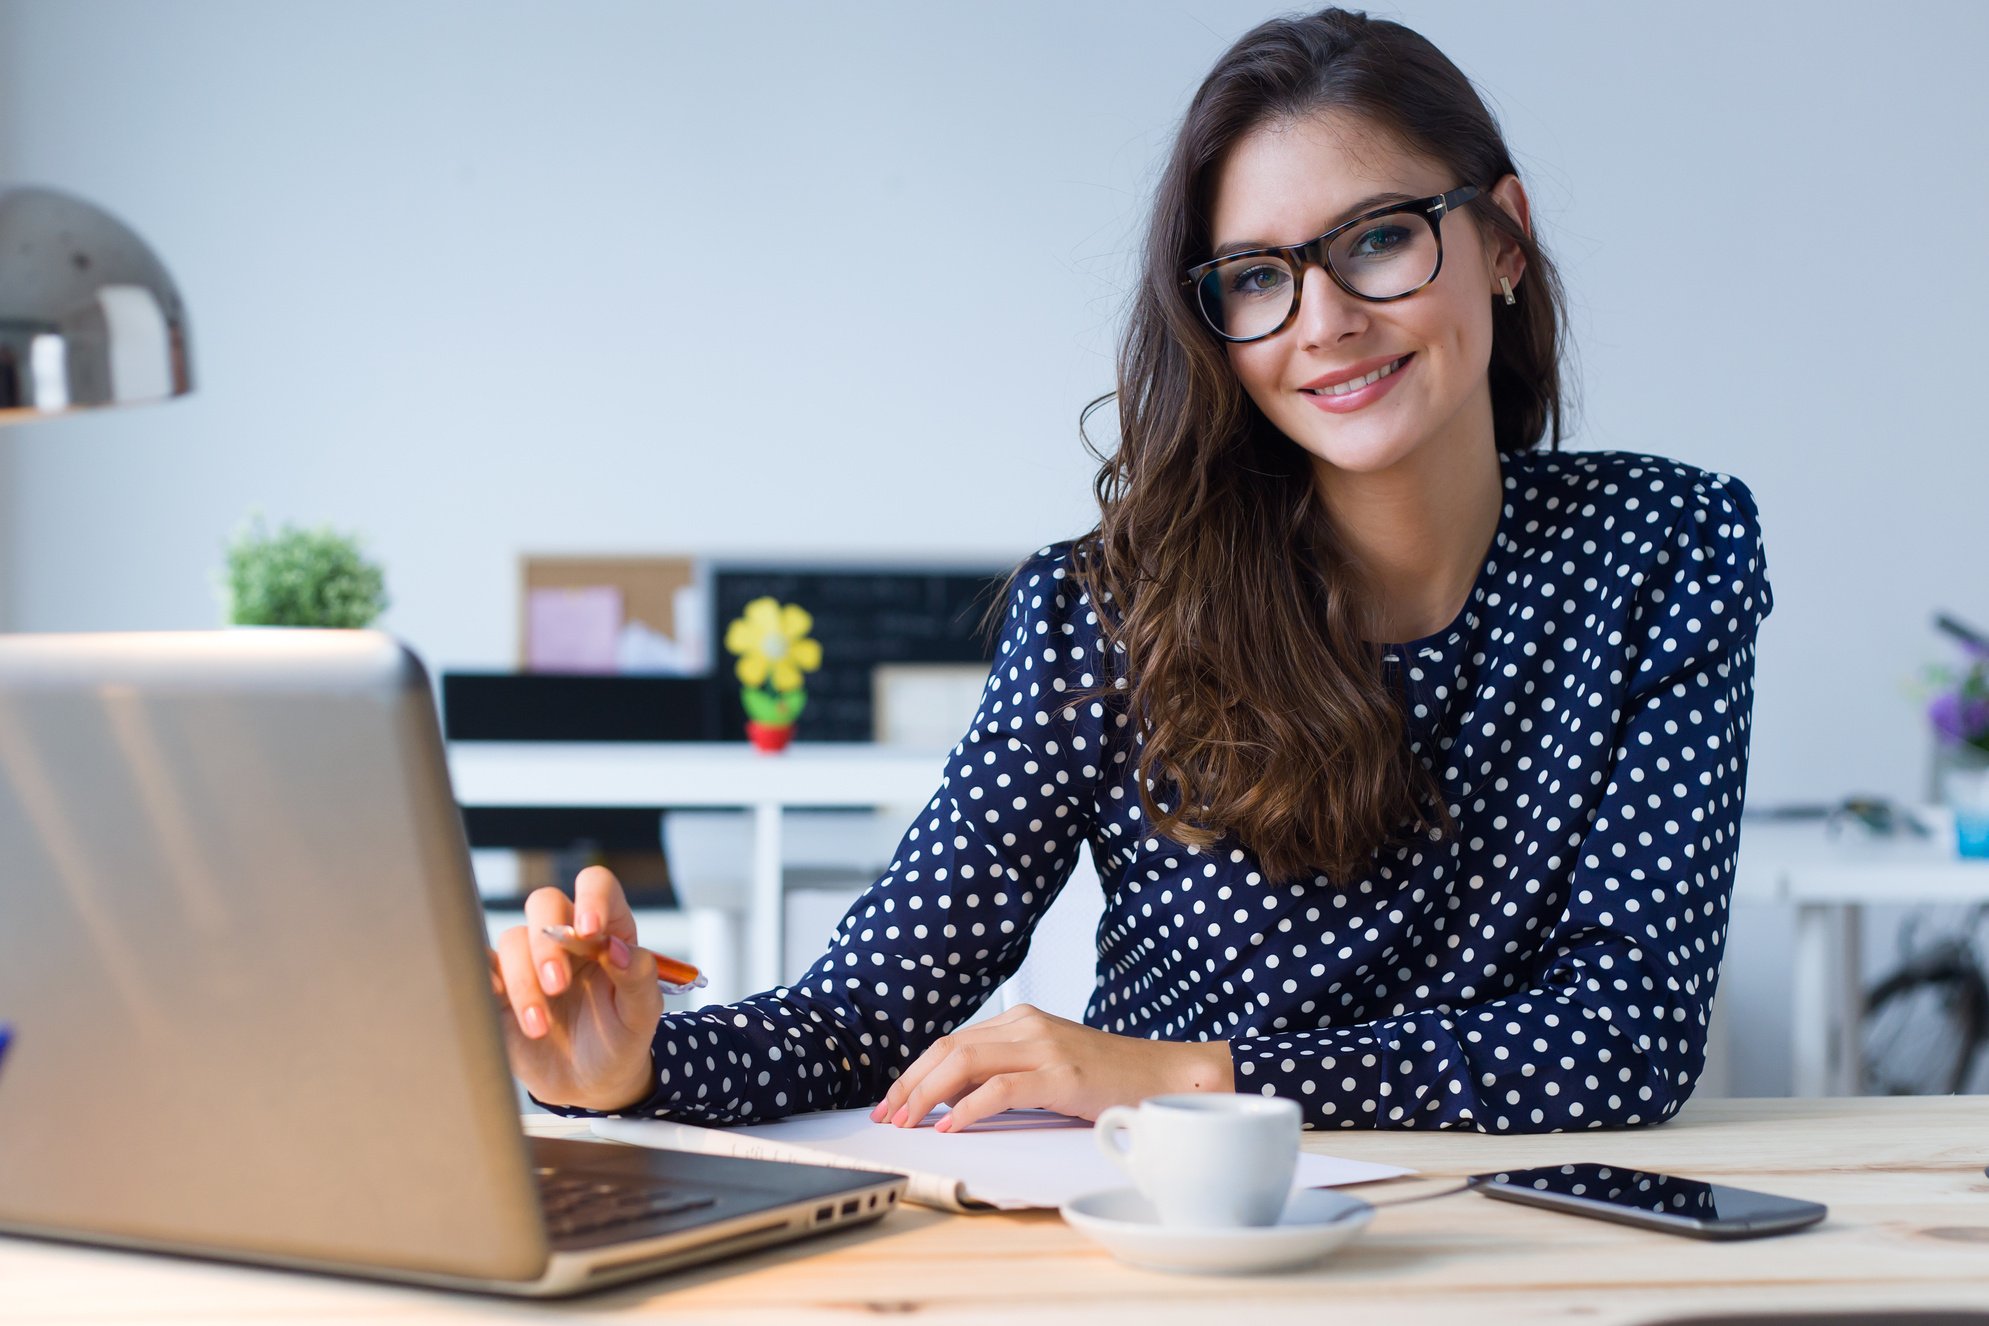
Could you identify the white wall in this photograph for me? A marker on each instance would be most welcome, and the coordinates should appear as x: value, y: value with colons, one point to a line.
x: 484, y: 278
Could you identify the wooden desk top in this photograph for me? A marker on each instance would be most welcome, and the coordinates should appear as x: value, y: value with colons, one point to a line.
x: 1908, y: 1226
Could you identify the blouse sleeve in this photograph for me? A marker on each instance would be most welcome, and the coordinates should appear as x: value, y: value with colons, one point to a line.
x: 950, y: 919
x: 1612, y: 1027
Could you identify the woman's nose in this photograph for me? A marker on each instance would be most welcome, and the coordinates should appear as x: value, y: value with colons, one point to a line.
x: 1325, y: 311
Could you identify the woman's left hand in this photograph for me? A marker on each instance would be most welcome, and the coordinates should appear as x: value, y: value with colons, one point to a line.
x: 1028, y: 1059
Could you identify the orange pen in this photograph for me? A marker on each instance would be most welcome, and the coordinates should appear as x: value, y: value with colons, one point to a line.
x: 675, y: 977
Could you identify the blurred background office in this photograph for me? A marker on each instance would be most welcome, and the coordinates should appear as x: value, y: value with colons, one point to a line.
x: 485, y: 277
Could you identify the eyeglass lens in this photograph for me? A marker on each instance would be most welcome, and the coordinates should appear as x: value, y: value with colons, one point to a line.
x: 1381, y: 258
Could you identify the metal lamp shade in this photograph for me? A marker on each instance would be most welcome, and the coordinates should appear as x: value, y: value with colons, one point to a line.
x: 88, y: 315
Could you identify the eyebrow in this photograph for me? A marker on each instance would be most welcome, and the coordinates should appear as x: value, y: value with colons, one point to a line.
x: 1372, y: 200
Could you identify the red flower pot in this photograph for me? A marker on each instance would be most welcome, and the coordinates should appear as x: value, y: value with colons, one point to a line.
x: 769, y: 737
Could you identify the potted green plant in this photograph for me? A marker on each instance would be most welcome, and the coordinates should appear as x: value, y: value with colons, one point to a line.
x: 301, y: 577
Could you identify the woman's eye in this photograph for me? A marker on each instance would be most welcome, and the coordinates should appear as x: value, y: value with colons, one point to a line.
x: 1258, y: 280
x: 1380, y: 240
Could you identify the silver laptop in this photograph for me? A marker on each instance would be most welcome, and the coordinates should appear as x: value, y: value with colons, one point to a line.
x: 243, y: 960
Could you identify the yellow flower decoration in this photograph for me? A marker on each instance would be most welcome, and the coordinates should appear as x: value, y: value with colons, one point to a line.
x: 771, y: 639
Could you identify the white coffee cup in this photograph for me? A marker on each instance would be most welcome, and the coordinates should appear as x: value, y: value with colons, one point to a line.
x: 1214, y: 1159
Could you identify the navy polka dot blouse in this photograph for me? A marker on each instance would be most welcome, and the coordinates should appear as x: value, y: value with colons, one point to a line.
x: 1551, y: 968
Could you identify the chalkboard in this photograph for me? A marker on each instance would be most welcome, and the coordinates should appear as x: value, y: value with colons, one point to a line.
x: 864, y: 616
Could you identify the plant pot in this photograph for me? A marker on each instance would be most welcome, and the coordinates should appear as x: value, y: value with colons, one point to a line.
x: 1962, y: 777
x: 770, y: 738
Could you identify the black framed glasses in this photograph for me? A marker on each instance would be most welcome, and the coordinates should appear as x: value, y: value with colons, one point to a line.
x: 1388, y: 253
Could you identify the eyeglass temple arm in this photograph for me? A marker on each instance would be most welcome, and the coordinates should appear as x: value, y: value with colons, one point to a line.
x: 1456, y: 198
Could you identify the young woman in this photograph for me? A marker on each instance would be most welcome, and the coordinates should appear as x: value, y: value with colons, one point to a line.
x: 1411, y: 755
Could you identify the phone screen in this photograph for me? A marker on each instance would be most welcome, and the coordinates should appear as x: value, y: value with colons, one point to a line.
x: 1645, y: 1197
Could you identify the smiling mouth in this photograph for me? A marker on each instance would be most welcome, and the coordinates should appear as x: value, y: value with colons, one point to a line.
x: 1349, y: 388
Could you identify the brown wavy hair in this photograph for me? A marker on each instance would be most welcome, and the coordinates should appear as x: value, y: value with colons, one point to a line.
x: 1243, y: 624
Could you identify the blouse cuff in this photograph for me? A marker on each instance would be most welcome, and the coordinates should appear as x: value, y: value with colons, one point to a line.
x: 1335, y: 1074
x: 648, y: 1107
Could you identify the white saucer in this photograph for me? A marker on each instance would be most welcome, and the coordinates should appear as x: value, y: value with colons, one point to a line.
x: 1314, y: 1222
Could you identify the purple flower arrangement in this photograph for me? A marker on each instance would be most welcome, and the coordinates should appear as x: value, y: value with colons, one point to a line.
x: 1958, y: 708
x: 1961, y: 717
x: 1959, y: 705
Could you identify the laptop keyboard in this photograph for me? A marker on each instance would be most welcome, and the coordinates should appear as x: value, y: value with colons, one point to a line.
x: 582, y: 1203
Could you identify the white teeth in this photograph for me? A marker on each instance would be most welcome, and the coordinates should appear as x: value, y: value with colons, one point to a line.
x: 1345, y: 387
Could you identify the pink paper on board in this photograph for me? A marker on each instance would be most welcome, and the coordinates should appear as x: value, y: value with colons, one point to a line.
x: 573, y: 630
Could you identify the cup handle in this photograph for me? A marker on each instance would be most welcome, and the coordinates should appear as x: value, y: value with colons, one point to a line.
x: 1114, y: 1120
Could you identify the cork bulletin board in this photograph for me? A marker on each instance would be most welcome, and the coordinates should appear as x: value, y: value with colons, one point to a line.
x: 649, y: 589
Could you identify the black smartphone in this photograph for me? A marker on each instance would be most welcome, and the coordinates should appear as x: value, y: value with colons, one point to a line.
x: 1653, y: 1201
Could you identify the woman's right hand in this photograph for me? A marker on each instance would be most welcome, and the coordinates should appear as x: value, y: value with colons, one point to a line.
x: 578, y: 1030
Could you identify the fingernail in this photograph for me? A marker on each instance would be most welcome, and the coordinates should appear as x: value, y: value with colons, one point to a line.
x: 899, y: 1117
x: 535, y: 1022
x: 586, y: 923
x: 877, y: 1112
x: 944, y: 1125
x: 618, y: 953
x: 550, y: 974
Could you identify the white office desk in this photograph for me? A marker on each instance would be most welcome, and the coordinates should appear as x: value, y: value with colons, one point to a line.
x: 702, y: 774
x: 1829, y: 880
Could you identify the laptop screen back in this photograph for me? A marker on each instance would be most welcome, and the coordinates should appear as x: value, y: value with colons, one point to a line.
x: 243, y: 959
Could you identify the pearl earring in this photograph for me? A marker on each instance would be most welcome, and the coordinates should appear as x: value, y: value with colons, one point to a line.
x: 1506, y: 286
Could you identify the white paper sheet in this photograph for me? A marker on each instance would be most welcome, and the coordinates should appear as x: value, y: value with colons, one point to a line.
x: 1012, y: 1161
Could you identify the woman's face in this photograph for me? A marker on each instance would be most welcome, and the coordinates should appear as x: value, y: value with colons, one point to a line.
x: 1286, y: 184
